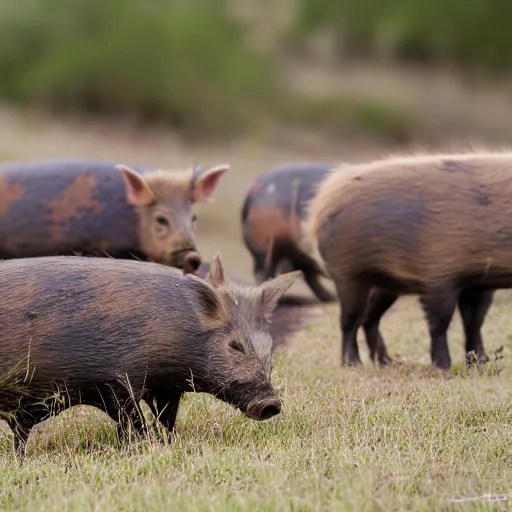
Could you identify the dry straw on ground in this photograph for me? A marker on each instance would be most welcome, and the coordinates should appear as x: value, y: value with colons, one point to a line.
x: 401, y: 438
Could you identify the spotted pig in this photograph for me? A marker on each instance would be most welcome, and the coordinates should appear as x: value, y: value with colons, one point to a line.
x: 272, y: 217
x: 62, y: 207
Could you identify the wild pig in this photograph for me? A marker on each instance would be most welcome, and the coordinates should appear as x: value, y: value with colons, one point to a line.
x: 272, y: 218
x: 108, y: 333
x: 437, y: 226
x: 60, y: 207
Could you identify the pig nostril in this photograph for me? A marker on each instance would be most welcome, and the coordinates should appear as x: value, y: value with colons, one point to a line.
x: 192, y: 262
x: 270, y: 411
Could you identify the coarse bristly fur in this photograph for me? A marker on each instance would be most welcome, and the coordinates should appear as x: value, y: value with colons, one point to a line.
x: 451, y: 206
x: 249, y: 306
x: 164, y: 200
x: 107, y: 333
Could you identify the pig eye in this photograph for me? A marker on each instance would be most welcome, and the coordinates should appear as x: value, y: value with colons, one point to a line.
x: 236, y: 345
x: 194, y: 218
x: 162, y: 221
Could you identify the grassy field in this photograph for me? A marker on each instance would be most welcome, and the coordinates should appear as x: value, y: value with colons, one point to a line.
x: 401, y: 438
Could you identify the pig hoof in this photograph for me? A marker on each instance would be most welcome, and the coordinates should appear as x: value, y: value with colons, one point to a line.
x: 385, y: 360
x: 381, y: 356
x: 351, y: 361
x: 442, y: 365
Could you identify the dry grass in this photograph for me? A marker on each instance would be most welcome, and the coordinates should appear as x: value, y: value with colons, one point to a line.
x: 402, y: 438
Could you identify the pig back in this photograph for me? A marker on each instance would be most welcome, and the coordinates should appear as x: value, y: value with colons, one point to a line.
x: 57, y: 206
x: 430, y: 218
x: 92, y: 320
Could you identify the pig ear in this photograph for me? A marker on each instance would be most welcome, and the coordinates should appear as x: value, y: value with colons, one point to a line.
x: 138, y: 192
x: 205, y: 182
x: 216, y: 275
x: 197, y: 170
x: 212, y: 313
x: 273, y: 290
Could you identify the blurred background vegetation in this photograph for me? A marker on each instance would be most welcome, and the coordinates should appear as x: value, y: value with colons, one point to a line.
x: 471, y: 34
x: 218, y: 67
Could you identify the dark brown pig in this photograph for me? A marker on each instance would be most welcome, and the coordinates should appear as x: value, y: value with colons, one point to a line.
x: 272, y: 218
x: 59, y: 207
x: 437, y: 226
x: 108, y: 333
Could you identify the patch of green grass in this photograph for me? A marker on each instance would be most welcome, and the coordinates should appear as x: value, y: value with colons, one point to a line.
x: 400, y: 438
x: 14, y: 384
x: 183, y: 62
x: 472, y: 33
x: 336, y: 114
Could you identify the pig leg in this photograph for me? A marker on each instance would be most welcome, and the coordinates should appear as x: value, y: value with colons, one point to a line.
x: 21, y: 430
x: 439, y: 306
x: 269, y: 272
x: 353, y: 296
x: 313, y: 281
x: 262, y: 271
x: 126, y: 416
x: 474, y: 304
x: 380, y: 301
x: 164, y: 406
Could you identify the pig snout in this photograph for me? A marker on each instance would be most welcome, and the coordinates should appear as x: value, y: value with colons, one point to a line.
x: 263, y: 409
x: 192, y: 262
x: 187, y: 259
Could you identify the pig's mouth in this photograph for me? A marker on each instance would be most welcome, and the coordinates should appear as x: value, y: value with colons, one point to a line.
x: 265, y: 404
x: 262, y: 409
